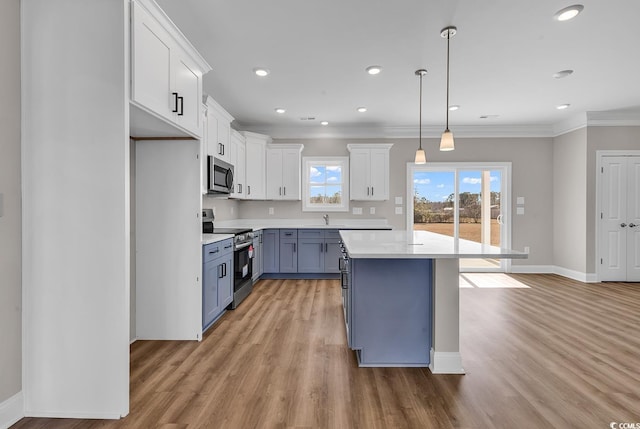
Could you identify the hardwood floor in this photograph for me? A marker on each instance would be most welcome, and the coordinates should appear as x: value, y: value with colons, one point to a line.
x: 555, y: 354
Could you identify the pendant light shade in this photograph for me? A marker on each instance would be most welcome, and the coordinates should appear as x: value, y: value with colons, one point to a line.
x: 446, y: 142
x: 421, y: 156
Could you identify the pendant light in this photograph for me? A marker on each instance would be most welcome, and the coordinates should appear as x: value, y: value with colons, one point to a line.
x: 446, y: 142
x: 421, y: 157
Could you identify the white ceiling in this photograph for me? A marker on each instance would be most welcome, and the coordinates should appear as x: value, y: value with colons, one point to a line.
x: 502, y: 62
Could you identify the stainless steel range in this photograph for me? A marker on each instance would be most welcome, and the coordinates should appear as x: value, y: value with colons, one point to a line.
x: 242, y: 256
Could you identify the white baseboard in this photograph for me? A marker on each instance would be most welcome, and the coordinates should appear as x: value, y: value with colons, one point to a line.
x: 554, y: 269
x: 532, y: 269
x: 11, y: 410
x: 446, y: 363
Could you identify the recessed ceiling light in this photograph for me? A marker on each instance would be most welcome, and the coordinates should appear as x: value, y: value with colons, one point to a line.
x: 374, y: 69
x: 261, y: 72
x: 280, y: 110
x: 362, y: 109
x: 453, y: 107
x: 324, y: 123
x: 563, y: 106
x: 562, y: 73
x: 568, y: 12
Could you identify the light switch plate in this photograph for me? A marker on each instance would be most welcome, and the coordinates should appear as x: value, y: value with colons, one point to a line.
x: 520, y: 200
x: 399, y: 210
x: 398, y: 201
x: 270, y: 210
x: 519, y: 210
x: 372, y: 210
x: 357, y: 210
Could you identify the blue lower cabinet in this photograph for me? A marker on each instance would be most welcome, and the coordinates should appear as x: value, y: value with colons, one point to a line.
x: 271, y: 251
x: 288, y: 251
x: 331, y: 255
x: 217, y: 280
x: 391, y: 312
x: 311, y: 255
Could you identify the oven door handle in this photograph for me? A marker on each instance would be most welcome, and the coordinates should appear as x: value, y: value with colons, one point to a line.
x: 242, y: 246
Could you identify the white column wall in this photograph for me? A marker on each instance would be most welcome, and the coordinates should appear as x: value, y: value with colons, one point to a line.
x: 75, y: 173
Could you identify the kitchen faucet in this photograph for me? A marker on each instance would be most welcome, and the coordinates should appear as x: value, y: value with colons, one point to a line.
x: 326, y: 219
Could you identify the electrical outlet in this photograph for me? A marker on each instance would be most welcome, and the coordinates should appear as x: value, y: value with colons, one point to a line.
x: 372, y: 210
x: 398, y: 201
x: 270, y: 210
x: 357, y: 210
x: 526, y: 249
x: 519, y: 210
x: 399, y: 210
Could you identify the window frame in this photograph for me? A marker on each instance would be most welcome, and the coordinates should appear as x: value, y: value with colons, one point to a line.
x: 343, y: 162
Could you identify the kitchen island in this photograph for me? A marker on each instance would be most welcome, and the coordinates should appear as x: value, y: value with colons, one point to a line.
x: 401, y: 296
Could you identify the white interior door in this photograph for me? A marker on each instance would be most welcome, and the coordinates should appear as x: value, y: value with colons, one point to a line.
x: 619, y: 219
x: 168, y: 241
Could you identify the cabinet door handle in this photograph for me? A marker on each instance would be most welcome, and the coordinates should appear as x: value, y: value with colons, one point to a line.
x: 321, y: 246
x: 248, y: 189
x: 228, y: 246
x: 220, y: 271
x: 367, y: 191
x: 284, y: 190
x: 181, y: 99
x: 280, y: 190
x: 294, y: 247
x: 326, y: 247
x: 175, y: 102
x: 211, y: 252
x: 372, y: 191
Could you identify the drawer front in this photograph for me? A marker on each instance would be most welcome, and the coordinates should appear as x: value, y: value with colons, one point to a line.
x: 332, y: 234
x: 288, y: 233
x: 216, y: 250
x: 310, y: 233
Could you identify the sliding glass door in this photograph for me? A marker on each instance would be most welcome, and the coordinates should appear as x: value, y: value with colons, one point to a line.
x: 464, y: 201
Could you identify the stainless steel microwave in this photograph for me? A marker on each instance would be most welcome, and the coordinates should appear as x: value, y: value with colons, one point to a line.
x: 220, y: 177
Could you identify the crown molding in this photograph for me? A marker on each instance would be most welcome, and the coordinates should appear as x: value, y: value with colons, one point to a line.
x: 374, y: 131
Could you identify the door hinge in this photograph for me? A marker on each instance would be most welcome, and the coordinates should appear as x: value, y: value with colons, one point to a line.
x: 601, y: 216
x: 600, y: 261
x: 601, y: 169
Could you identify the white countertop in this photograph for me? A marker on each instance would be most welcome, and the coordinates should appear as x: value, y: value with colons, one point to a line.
x: 214, y: 238
x: 417, y: 245
x: 258, y: 224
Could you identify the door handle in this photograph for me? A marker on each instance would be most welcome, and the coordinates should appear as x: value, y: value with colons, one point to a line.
x: 181, y: 99
x: 175, y: 102
x: 632, y: 225
x: 623, y: 224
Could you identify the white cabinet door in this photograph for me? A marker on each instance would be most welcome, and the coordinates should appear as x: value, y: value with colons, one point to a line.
x: 237, y: 155
x: 359, y: 188
x: 379, y: 174
x: 255, y: 164
x: 274, y: 174
x: 369, y: 171
x: 204, y: 162
x: 151, y: 64
x: 291, y: 174
x: 283, y: 172
x: 188, y: 86
x: 219, y: 123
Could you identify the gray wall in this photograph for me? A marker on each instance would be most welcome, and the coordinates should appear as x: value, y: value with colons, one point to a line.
x: 10, y: 222
x: 570, y: 200
x: 532, y: 178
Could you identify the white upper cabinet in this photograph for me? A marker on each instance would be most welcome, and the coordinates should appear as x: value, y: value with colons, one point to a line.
x: 255, y: 162
x: 283, y: 171
x: 369, y: 171
x: 166, y: 71
x: 218, y: 130
x: 237, y: 155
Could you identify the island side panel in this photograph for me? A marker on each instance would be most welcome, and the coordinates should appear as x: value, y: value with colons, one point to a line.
x: 445, y: 355
x: 391, y: 302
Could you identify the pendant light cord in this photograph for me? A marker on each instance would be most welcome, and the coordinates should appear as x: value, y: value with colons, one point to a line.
x: 448, y: 37
x: 420, y: 122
